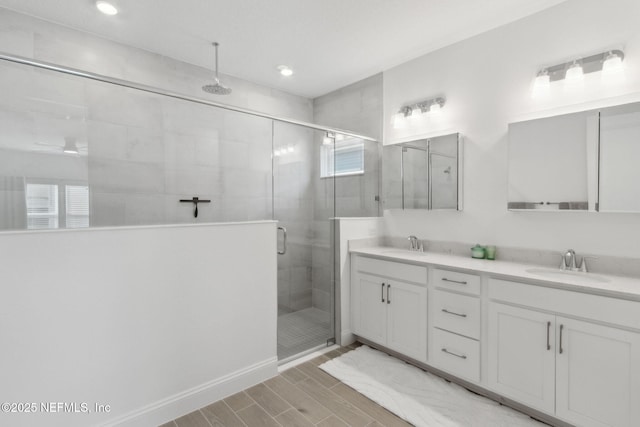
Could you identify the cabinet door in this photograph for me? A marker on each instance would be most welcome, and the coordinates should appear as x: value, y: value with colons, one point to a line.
x: 598, y: 375
x: 522, y: 355
x: 407, y: 319
x: 369, y: 308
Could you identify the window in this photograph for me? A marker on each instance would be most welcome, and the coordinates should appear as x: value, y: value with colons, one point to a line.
x: 57, y: 206
x: 77, y: 206
x: 344, y: 157
x: 42, y: 206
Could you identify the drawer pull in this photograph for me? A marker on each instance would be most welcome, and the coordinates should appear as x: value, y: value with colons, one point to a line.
x: 461, y: 356
x: 382, y: 293
x: 460, y: 282
x: 444, y: 310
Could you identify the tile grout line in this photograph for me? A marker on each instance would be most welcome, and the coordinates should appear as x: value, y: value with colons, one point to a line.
x: 244, y: 407
x: 282, y: 398
x: 205, y: 418
x: 267, y: 412
x: 339, y: 398
x: 234, y: 412
x: 324, y: 419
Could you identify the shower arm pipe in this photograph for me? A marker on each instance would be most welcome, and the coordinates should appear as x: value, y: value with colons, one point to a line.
x: 155, y: 90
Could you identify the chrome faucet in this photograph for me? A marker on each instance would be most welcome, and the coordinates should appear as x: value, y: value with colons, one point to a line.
x: 414, y: 244
x: 569, y: 261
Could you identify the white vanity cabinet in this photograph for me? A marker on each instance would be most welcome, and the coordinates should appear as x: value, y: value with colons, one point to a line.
x: 586, y: 372
x: 521, y: 358
x: 456, y: 320
x: 389, y: 305
x: 565, y: 348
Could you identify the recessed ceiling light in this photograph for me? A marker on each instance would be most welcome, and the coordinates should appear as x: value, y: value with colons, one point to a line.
x: 106, y: 8
x: 285, y: 71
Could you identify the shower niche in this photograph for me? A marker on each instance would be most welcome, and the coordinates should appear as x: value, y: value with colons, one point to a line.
x: 423, y: 174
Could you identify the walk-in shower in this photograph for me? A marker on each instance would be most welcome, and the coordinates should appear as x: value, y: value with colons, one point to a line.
x: 84, y: 150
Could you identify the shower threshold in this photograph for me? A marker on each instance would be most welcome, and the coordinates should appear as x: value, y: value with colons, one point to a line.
x: 302, y: 332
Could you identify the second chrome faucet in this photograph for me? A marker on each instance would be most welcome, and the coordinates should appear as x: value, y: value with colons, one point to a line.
x: 414, y: 244
x: 569, y: 262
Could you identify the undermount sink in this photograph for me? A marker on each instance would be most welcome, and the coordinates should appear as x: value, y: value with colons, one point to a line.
x: 551, y: 273
x: 396, y: 251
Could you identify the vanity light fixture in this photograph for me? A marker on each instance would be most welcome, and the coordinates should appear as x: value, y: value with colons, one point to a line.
x: 612, y: 63
x: 285, y: 70
x: 573, y: 71
x: 106, y: 8
x: 542, y: 79
x: 415, y: 111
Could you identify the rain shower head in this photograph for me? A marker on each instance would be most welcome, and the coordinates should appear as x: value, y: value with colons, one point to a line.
x: 217, y: 88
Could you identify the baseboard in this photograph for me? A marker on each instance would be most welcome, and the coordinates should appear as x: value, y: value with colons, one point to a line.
x: 347, y: 338
x: 188, y: 401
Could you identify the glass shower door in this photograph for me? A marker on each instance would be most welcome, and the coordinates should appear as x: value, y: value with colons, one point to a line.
x: 303, y: 203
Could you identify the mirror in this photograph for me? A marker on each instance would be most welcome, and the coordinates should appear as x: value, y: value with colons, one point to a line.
x: 581, y: 161
x: 423, y: 174
x: 619, y: 153
x: 548, y: 162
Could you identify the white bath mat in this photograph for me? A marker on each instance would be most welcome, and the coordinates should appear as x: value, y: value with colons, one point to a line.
x: 419, y: 397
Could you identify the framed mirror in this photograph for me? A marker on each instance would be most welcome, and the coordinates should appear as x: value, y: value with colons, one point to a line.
x: 423, y: 174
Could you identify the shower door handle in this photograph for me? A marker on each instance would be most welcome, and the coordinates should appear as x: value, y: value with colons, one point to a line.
x: 284, y: 241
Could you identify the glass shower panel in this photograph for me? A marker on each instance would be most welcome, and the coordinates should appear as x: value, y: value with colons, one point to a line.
x: 156, y: 151
x: 79, y: 153
x: 357, y: 188
x: 303, y: 204
x: 43, y: 148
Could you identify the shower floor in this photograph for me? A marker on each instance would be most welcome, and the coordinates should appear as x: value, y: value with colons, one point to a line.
x: 302, y: 330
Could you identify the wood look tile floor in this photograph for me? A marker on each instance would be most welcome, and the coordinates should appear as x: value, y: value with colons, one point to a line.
x: 298, y: 397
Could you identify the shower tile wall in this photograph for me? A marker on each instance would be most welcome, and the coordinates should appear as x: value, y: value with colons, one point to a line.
x: 139, y: 153
x: 357, y: 107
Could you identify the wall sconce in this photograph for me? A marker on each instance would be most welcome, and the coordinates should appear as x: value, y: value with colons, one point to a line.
x: 608, y: 62
x: 415, y: 111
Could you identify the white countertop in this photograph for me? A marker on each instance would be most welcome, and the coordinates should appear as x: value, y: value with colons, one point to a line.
x: 614, y: 286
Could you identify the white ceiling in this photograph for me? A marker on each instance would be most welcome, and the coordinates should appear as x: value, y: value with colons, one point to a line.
x: 329, y: 43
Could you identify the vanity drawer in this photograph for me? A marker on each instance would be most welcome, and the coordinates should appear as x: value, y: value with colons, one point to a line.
x: 456, y: 313
x: 462, y: 282
x: 457, y: 355
x: 395, y: 270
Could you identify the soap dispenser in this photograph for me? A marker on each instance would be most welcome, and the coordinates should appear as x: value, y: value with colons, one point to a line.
x: 477, y: 252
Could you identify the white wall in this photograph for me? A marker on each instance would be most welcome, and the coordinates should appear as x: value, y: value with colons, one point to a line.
x: 141, y: 153
x: 487, y: 83
x: 154, y: 321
